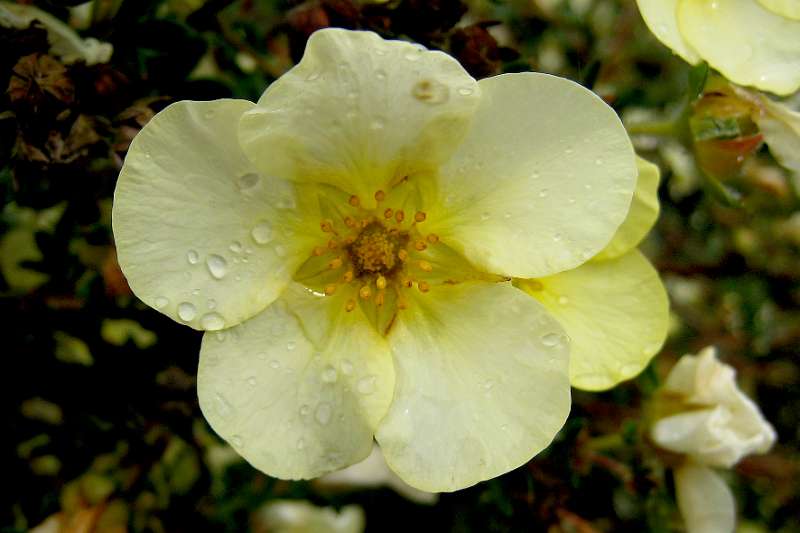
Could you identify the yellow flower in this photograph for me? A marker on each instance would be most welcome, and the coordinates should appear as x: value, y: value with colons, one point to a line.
x: 354, y: 235
x: 751, y: 42
x: 712, y: 424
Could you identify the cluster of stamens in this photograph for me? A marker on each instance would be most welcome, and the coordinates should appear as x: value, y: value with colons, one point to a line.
x: 374, y: 253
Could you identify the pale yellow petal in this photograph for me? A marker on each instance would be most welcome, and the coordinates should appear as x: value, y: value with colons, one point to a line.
x: 748, y: 44
x: 781, y: 128
x: 481, y: 385
x: 297, y: 390
x: 542, y: 181
x: 359, y: 112
x: 615, y: 312
x: 200, y: 234
x: 705, y: 501
x: 661, y: 17
x: 785, y: 8
x: 642, y: 215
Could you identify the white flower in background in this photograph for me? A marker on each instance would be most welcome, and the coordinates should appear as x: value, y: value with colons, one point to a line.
x: 373, y: 472
x: 299, y: 516
x: 751, y: 42
x: 714, y: 425
x: 354, y: 235
x: 64, y: 41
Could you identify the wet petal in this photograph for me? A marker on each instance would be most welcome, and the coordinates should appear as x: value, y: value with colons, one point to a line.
x: 615, y: 312
x: 705, y: 501
x: 542, y: 181
x: 786, y: 8
x: 359, y: 112
x: 748, y: 44
x: 642, y: 215
x: 200, y: 234
x: 661, y: 17
x: 781, y: 128
x: 298, y: 389
x: 481, y: 385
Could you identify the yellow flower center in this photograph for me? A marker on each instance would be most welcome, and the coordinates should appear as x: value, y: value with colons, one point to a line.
x: 375, y: 249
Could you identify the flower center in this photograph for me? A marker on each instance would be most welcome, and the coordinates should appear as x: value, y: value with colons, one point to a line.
x: 375, y: 249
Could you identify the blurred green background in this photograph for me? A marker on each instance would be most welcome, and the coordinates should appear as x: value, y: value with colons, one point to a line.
x: 100, y: 390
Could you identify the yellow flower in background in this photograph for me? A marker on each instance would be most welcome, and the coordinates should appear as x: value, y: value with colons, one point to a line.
x: 751, y: 42
x: 713, y: 424
x: 351, y: 240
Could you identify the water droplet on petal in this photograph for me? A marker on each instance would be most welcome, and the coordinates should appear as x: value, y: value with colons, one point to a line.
x: 377, y: 124
x: 329, y: 375
x: 237, y: 441
x: 323, y: 413
x: 380, y: 74
x: 312, y: 76
x: 465, y: 91
x: 236, y: 247
x: 223, y: 407
x: 262, y: 233
x: 552, y: 339
x: 212, y: 321
x: 217, y: 266
x: 485, y: 216
x: 366, y: 385
x: 193, y: 257
x: 249, y: 180
x: 563, y: 300
x: 274, y: 364
x: 161, y: 302
x: 280, y: 250
x: 291, y: 345
x: 252, y: 381
x: 209, y: 115
x: 212, y: 304
x: 543, y: 193
x: 304, y: 410
x: 301, y: 444
x: 186, y: 311
x: 347, y: 366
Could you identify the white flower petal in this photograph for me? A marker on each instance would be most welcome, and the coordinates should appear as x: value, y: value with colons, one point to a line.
x: 781, y: 128
x: 661, y: 16
x: 292, y: 516
x: 705, y: 501
x: 298, y: 389
x: 200, y: 235
x: 481, y: 385
x: 542, y: 181
x: 615, y: 312
x: 748, y: 44
x: 642, y: 215
x: 360, y: 113
x: 373, y: 472
x: 786, y: 8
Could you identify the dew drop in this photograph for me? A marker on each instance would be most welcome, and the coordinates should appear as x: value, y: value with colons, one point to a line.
x: 569, y: 150
x: 323, y: 413
x: 262, y: 233
x: 543, y: 193
x: 313, y: 76
x: 275, y: 364
x: 212, y: 321
x: 196, y: 292
x: 217, y: 266
x: 598, y: 161
x: 249, y: 180
x: 304, y: 410
x: 212, y: 304
x: 366, y: 385
x: 487, y: 385
x: 377, y: 124
x: 252, y: 381
x: 551, y: 339
x: 223, y: 407
x: 557, y: 237
x: 347, y: 367
x: 563, y: 300
x: 193, y: 257
x: 237, y: 441
x: 291, y: 345
x: 465, y: 91
x: 301, y: 444
x: 329, y: 375
x: 161, y: 302
x: 380, y: 74
x: 209, y: 115
x: 186, y: 311
x: 413, y: 55
x: 280, y: 251
x: 485, y: 216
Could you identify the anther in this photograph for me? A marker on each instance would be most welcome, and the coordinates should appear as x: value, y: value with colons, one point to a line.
x: 420, y: 216
x: 424, y: 265
x: 433, y: 238
x: 364, y: 292
x: 423, y: 286
x: 380, y: 282
x: 319, y: 250
x: 399, y: 216
x: 349, y: 222
x: 354, y: 201
x: 388, y: 213
x: 350, y: 305
x: 330, y: 289
x: 380, y: 298
x: 420, y: 245
x: 535, y: 285
x: 326, y: 226
x: 380, y: 196
x: 402, y: 255
x: 402, y: 303
x: 335, y: 263
x: 348, y: 276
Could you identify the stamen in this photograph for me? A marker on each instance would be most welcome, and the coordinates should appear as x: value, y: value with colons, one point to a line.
x: 327, y: 226
x: 350, y: 222
x: 420, y: 245
x: 424, y: 265
x: 350, y: 305
x: 318, y: 251
x: 348, y: 276
x: 335, y: 263
x: 399, y: 216
x: 423, y: 286
x: 330, y: 289
x: 380, y: 196
x: 365, y: 292
x: 380, y: 298
x: 433, y: 238
x: 402, y: 255
x: 388, y: 213
x: 420, y: 216
x: 354, y: 201
x: 380, y: 282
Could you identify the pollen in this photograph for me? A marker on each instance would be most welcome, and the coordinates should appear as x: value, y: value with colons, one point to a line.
x: 420, y: 216
x: 375, y: 250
